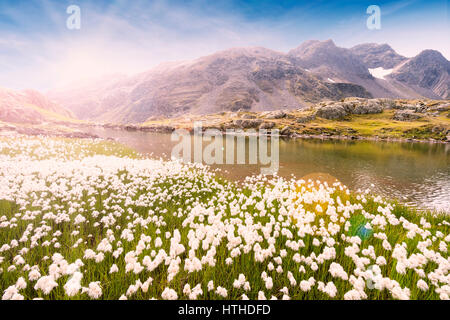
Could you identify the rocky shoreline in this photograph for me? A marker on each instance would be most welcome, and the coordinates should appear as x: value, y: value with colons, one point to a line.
x: 6, y: 130
x: 284, y: 135
x: 324, y: 137
x: 294, y: 124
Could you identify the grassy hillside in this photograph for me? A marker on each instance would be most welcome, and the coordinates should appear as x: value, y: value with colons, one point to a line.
x: 304, y: 122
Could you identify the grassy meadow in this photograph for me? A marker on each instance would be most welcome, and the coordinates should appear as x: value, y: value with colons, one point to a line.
x: 92, y: 219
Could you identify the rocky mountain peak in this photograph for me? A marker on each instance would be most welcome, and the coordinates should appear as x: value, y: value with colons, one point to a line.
x: 429, y: 69
x: 376, y: 55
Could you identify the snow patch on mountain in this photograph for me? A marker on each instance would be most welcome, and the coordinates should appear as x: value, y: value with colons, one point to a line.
x: 380, y: 72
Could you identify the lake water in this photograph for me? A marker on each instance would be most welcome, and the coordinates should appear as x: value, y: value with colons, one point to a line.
x: 417, y: 174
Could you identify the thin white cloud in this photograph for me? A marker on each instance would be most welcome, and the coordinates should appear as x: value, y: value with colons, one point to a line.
x: 131, y: 37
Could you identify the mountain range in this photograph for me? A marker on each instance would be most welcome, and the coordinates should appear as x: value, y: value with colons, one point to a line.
x: 257, y: 79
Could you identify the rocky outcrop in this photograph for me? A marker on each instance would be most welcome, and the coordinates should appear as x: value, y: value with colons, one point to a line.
x: 247, y: 123
x: 338, y: 110
x: 370, y: 107
x: 286, y: 131
x: 248, y: 116
x: 278, y: 114
x: 441, y: 108
x: 159, y: 129
x: 332, y: 112
x: 306, y: 119
x: 267, y: 125
x: 375, y: 55
x: 406, y: 115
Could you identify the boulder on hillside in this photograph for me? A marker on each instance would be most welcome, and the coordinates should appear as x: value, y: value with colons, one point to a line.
x: 386, y: 103
x: 372, y: 106
x: 404, y: 106
x: 278, y: 114
x: 286, y: 131
x: 420, y: 108
x: 350, y: 106
x: 355, y: 99
x: 326, y: 103
x: 332, y: 112
x: 406, y: 115
x: 247, y: 123
x: 442, y: 107
x: 306, y: 119
x: 267, y: 125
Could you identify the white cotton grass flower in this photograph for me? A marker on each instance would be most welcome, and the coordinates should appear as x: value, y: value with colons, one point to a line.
x: 353, y: 295
x: 11, y: 293
x: 268, y: 283
x: 210, y: 285
x: 381, y: 261
x: 306, y: 285
x: 195, y: 292
x: 330, y: 289
x: 239, y: 282
x: 221, y: 291
x: 291, y: 279
x: 33, y: 275
x: 99, y: 257
x: 146, y: 284
x: 95, y: 290
x: 337, y: 271
x: 132, y: 289
x: 21, y: 283
x: 73, y: 285
x: 422, y: 285
x: 113, y: 269
x: 46, y: 284
x: 261, y: 296
x: 169, y: 294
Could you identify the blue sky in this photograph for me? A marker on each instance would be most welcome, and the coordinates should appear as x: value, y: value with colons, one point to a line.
x: 117, y: 36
